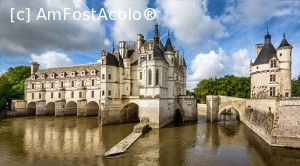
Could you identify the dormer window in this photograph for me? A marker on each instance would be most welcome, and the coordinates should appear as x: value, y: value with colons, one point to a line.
x: 273, y: 63
x: 83, y: 73
x: 33, y: 77
x: 62, y: 74
x: 73, y: 74
x: 53, y: 75
x: 93, y: 72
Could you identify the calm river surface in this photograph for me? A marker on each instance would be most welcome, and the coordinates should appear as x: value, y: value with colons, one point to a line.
x: 81, y: 141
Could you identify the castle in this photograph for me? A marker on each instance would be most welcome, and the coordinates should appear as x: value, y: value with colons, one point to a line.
x: 271, y: 71
x: 144, y: 80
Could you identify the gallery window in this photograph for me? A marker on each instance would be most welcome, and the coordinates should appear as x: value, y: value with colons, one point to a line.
x: 80, y: 94
x: 72, y: 94
x: 93, y: 82
x: 92, y: 94
x: 156, y: 77
x: 72, y: 84
x: 109, y: 93
x: 141, y: 75
x: 40, y: 95
x: 273, y: 63
x: 149, y: 77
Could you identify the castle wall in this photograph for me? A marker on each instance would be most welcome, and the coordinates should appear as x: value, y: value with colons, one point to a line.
x: 275, y: 120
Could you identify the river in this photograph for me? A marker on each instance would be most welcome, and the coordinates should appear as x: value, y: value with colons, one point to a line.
x: 72, y: 141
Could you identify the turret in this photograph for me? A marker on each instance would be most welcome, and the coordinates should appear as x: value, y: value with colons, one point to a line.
x: 34, y: 67
x: 169, y: 51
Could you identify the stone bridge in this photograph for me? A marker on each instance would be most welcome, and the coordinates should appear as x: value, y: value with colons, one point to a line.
x: 277, y: 121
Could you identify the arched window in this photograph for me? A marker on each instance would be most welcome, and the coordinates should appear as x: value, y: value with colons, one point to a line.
x: 40, y: 95
x: 80, y: 94
x: 109, y: 93
x: 149, y: 77
x: 32, y: 96
x: 59, y: 95
x: 51, y: 95
x: 157, y: 77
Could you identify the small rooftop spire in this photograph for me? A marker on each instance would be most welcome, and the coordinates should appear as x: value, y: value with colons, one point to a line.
x: 156, y: 35
x: 113, y: 45
x: 267, y: 30
x: 168, y: 33
x: 284, y: 35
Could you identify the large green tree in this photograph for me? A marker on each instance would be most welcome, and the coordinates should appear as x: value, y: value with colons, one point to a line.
x: 296, y: 87
x: 12, y: 84
x: 229, y: 85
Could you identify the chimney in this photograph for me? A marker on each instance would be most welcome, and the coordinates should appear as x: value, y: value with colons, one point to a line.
x: 34, y: 67
x: 140, y: 39
x: 258, y: 48
x: 122, y: 48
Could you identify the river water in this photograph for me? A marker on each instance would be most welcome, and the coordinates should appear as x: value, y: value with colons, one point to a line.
x: 81, y: 141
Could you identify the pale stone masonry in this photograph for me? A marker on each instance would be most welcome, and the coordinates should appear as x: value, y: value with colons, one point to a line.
x: 271, y: 71
x: 143, y: 75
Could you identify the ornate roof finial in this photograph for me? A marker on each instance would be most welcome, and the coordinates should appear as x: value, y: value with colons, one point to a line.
x: 113, y: 45
x: 156, y: 35
x: 168, y: 33
x: 267, y: 30
x: 284, y: 35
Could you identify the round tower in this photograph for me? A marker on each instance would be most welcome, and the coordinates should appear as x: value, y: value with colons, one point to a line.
x: 284, y: 55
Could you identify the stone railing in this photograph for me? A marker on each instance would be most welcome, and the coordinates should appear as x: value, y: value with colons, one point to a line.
x: 291, y: 101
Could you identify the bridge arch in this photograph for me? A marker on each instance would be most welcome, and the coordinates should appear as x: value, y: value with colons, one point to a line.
x: 229, y: 110
x: 31, y: 109
x: 178, y: 115
x: 130, y: 112
x: 92, y: 108
x: 71, y: 109
x: 50, y: 108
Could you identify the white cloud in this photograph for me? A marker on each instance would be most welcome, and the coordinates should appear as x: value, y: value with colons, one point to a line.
x: 206, y: 66
x: 52, y: 59
x: 124, y: 30
x: 258, y: 11
x: 190, y: 22
x: 21, y: 38
x: 241, y: 61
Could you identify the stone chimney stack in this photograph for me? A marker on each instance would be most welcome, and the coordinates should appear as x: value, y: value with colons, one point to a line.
x: 140, y: 39
x: 258, y: 48
x: 122, y: 45
x: 34, y: 67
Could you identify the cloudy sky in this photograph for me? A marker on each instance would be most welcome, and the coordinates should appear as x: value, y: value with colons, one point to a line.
x: 218, y: 37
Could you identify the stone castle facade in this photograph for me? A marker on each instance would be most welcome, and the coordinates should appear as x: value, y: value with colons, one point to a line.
x: 142, y: 80
x: 271, y: 71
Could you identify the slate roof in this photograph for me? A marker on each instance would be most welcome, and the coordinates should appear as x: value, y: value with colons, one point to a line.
x: 267, y: 52
x: 68, y: 70
x: 284, y: 42
x: 169, y: 46
x: 183, y: 62
x: 158, y: 54
x: 111, y: 60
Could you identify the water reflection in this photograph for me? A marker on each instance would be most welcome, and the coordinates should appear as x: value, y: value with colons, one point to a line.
x: 81, y: 141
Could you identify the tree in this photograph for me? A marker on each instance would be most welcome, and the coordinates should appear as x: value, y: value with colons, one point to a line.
x: 229, y: 85
x: 12, y: 84
x: 295, y: 87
